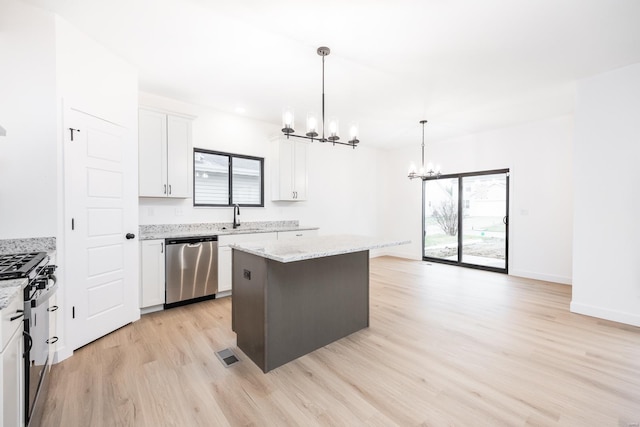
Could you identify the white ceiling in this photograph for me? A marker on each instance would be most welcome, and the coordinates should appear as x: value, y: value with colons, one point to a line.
x: 465, y: 65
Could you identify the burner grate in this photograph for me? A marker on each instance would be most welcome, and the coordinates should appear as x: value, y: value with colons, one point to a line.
x: 13, y: 266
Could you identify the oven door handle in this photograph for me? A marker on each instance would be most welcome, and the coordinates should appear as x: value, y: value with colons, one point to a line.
x: 17, y: 316
x: 29, y: 341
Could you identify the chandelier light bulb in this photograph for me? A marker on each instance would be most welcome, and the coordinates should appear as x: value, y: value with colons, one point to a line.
x: 429, y: 167
x: 287, y: 120
x: 312, y: 125
x: 412, y: 169
x: 334, y: 129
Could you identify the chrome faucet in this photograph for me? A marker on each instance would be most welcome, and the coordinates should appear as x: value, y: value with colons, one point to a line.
x: 236, y: 214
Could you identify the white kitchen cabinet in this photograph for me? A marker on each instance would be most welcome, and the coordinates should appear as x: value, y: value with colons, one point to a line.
x: 11, y: 366
x: 289, y: 170
x: 283, y: 235
x: 152, y: 275
x: 225, y: 254
x: 164, y: 152
x: 224, y: 269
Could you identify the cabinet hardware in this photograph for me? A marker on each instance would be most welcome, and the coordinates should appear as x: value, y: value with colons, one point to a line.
x: 73, y: 312
x: 169, y: 189
x: 17, y: 316
x: 73, y: 224
x: 130, y: 236
x: 52, y: 308
x: 161, y: 247
x: 73, y: 130
x: 52, y: 340
x: 165, y: 189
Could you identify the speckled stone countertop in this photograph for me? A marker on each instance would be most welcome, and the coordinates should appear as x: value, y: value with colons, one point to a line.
x: 34, y: 244
x: 314, y: 247
x: 167, y: 231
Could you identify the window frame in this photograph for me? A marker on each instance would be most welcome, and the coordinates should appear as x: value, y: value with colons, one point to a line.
x: 230, y: 156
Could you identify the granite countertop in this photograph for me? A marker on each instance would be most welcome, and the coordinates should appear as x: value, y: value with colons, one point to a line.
x: 9, y: 289
x: 168, y: 231
x: 314, y: 247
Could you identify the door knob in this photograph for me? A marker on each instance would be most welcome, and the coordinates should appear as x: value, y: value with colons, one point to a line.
x: 130, y: 236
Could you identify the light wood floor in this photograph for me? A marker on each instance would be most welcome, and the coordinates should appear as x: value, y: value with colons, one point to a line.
x: 446, y: 346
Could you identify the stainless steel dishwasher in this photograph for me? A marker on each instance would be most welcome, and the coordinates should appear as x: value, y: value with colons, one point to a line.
x: 191, y: 269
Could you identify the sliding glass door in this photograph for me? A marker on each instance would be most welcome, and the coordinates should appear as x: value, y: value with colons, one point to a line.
x: 465, y: 219
x: 441, y: 219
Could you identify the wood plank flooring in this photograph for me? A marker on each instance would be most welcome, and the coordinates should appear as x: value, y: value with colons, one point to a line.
x: 445, y: 346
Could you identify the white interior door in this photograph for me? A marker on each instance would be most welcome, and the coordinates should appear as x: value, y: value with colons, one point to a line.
x: 100, y: 209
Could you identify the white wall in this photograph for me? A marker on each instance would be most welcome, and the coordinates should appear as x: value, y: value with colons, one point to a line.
x: 606, y: 261
x: 343, y: 183
x: 27, y: 111
x: 538, y: 155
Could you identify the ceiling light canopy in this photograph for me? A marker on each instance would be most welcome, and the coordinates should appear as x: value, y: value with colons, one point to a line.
x: 424, y: 174
x: 316, y: 130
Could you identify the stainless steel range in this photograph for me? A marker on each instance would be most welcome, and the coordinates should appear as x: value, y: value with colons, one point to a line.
x: 41, y: 286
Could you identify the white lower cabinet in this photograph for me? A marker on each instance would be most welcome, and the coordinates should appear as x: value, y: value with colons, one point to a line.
x: 225, y: 254
x: 11, y: 368
x: 224, y: 268
x: 152, y: 276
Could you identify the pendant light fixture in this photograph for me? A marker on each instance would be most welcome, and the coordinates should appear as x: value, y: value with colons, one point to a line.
x: 424, y: 174
x: 313, y: 127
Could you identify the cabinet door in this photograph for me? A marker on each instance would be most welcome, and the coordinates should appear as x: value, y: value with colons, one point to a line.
x: 300, y: 171
x: 287, y: 156
x: 152, y: 282
x: 178, y: 154
x: 224, y: 269
x: 152, y: 154
x: 11, y: 376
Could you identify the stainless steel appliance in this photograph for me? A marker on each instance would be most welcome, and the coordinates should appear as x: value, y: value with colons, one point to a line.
x: 191, y: 267
x: 40, y: 287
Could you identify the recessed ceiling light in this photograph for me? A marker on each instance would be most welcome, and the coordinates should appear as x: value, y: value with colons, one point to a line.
x: 240, y: 110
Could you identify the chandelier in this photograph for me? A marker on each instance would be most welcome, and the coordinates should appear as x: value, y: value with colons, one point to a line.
x: 312, y: 121
x: 424, y: 174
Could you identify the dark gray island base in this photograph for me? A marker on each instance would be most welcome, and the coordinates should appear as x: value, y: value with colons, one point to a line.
x: 284, y: 310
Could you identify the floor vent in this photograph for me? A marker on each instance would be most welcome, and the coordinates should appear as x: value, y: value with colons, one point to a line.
x: 227, y: 357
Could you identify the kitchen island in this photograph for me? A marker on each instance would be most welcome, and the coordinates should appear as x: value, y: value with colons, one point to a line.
x: 293, y: 297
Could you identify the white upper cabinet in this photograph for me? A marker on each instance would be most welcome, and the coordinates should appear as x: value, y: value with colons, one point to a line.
x: 164, y: 152
x: 289, y: 170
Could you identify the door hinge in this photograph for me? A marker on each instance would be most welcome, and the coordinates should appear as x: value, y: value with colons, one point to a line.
x: 73, y: 312
x: 73, y: 130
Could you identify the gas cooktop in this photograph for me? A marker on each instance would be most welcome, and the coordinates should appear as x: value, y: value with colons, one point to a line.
x: 15, y: 266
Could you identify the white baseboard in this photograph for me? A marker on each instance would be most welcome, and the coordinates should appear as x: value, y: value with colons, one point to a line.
x: 538, y: 276
x: 223, y: 294
x: 605, y: 313
x: 151, y: 309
